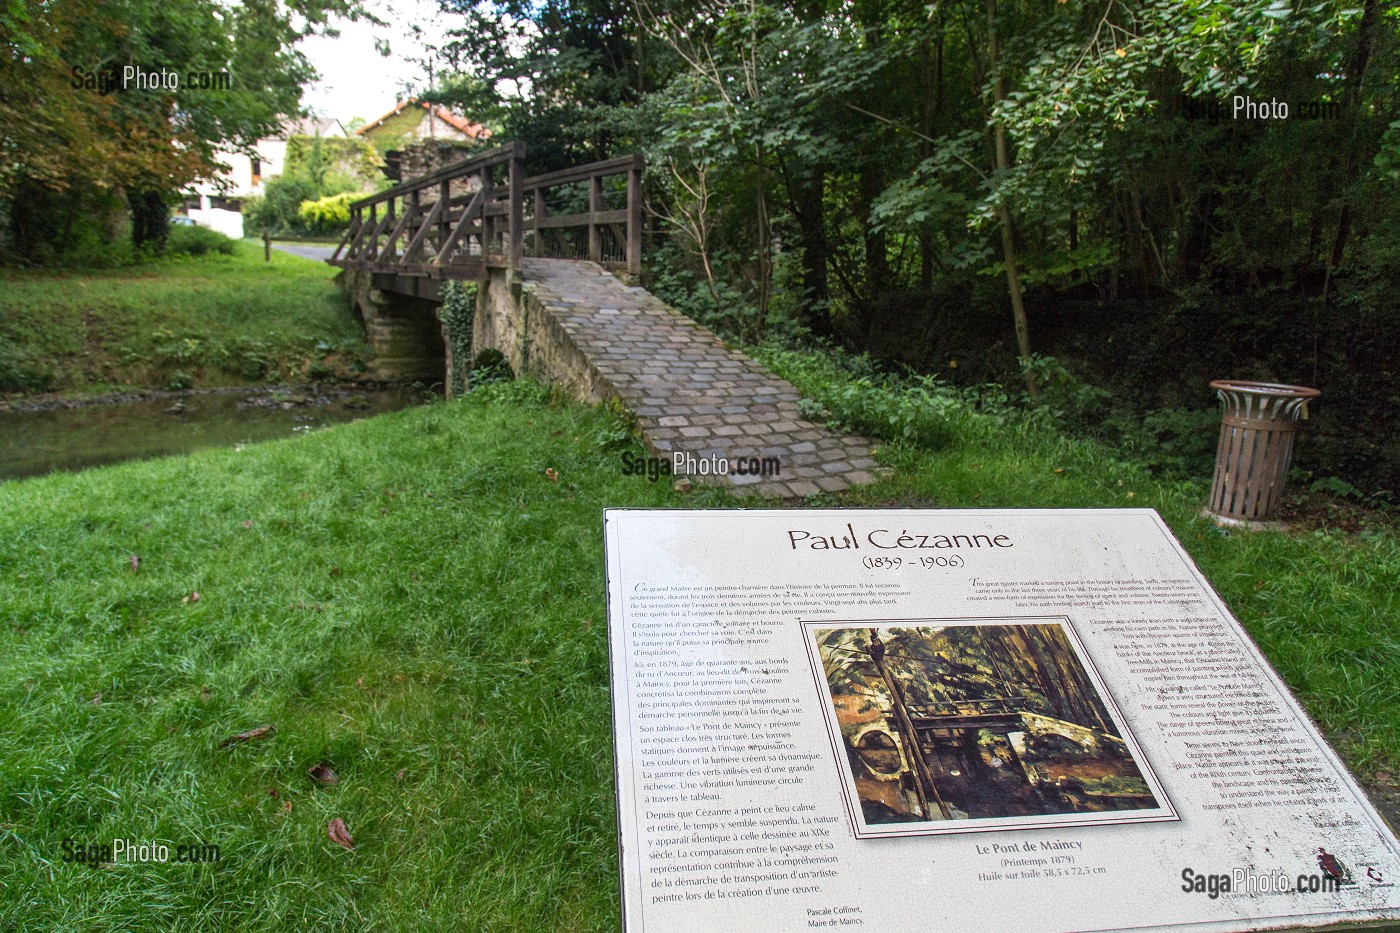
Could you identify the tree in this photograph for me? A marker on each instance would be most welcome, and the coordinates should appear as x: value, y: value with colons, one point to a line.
x: 72, y: 122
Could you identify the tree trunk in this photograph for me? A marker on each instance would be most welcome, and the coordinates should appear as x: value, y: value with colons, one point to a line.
x: 150, y: 219
x: 806, y: 191
x: 923, y: 776
x: 1356, y: 74
x: 765, y: 241
x: 1008, y: 238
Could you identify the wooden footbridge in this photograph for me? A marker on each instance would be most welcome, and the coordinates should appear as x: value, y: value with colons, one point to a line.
x: 559, y: 258
x: 466, y: 218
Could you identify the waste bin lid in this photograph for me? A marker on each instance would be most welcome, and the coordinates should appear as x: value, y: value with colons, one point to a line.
x: 1266, y: 389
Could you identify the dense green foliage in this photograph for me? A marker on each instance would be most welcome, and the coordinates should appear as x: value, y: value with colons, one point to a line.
x: 312, y: 195
x: 76, y: 135
x: 198, y: 319
x: 327, y: 215
x: 458, y: 313
x: 898, y: 176
x: 186, y: 240
x: 457, y: 683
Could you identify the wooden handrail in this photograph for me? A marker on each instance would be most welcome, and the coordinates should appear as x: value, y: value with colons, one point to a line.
x: 584, y: 172
x: 425, y: 213
x: 597, y: 219
x: 466, y: 166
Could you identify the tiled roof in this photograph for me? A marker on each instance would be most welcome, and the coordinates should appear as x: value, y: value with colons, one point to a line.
x: 465, y: 126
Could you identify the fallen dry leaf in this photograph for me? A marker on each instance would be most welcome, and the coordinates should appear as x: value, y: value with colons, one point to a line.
x: 400, y: 774
x: 250, y: 735
x: 96, y: 699
x: 1384, y: 777
x: 339, y: 834
x: 272, y: 792
x: 204, y: 694
x: 247, y: 523
x: 322, y: 774
x: 286, y: 806
x: 552, y: 473
x: 192, y: 598
x: 135, y: 563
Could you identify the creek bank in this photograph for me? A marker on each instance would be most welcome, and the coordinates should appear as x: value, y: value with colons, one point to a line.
x: 42, y: 434
x: 287, y: 395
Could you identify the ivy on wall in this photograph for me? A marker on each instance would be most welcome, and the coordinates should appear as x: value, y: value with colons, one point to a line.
x: 457, y: 312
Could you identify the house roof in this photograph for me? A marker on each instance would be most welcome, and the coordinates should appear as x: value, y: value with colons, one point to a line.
x: 310, y: 126
x: 465, y: 126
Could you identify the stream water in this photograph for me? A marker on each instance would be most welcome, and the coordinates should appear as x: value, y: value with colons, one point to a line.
x: 37, y: 440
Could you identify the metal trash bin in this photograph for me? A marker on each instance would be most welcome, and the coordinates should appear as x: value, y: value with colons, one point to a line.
x: 1256, y: 449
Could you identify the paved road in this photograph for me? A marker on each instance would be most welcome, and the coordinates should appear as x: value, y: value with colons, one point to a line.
x: 306, y: 250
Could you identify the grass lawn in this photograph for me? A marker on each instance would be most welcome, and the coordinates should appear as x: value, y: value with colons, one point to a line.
x: 212, y: 320
x: 414, y: 602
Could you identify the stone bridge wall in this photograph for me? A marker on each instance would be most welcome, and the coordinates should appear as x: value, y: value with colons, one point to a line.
x: 511, y: 319
x: 403, y: 331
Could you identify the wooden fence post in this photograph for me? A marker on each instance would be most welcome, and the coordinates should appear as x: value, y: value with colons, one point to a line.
x: 444, y: 221
x: 634, y: 218
x: 540, y: 213
x: 488, y: 226
x: 595, y: 207
x: 267, y: 246
x: 515, y: 226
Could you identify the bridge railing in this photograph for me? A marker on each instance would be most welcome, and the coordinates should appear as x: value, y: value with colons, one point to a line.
x: 444, y: 224
x: 571, y: 217
x: 464, y: 218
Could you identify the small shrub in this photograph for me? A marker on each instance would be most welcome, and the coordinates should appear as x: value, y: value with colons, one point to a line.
x: 513, y: 392
x: 489, y: 366
x: 250, y: 358
x: 320, y: 371
x: 171, y: 348
x: 1173, y: 441
x: 196, y: 241
x: 617, y: 433
x: 327, y: 215
x: 22, y: 371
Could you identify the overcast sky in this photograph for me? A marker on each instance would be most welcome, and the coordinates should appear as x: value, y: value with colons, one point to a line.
x: 356, y: 81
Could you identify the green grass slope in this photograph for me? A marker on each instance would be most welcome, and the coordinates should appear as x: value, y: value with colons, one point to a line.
x: 211, y: 320
x: 413, y: 601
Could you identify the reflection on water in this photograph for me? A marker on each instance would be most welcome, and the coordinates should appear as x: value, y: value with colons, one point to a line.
x: 35, y: 442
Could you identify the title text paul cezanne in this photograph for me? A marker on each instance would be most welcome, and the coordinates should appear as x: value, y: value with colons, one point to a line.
x: 887, y: 540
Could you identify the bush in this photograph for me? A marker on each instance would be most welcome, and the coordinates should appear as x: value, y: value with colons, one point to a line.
x: 22, y: 371
x: 851, y: 394
x: 489, y: 366
x: 276, y: 211
x: 327, y: 215
x: 196, y: 241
